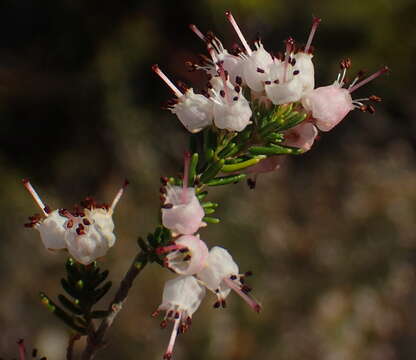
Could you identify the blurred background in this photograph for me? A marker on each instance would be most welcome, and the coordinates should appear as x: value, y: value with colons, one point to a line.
x: 330, y: 237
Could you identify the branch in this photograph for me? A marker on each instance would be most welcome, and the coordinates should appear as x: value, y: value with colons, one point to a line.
x: 70, y: 348
x: 95, y: 339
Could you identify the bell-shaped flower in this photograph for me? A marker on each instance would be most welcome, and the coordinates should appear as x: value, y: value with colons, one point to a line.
x: 86, y: 232
x: 284, y: 84
x: 232, y: 64
x: 186, y: 256
x: 303, y: 61
x: 256, y: 63
x: 182, y: 212
x: 301, y: 136
x: 329, y: 105
x: 221, y: 275
x: 194, y: 111
x: 181, y: 298
x: 51, y: 226
x: 232, y: 111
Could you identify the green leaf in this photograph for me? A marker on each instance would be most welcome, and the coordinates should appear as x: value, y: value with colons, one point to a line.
x: 193, y: 168
x: 212, y: 171
x: 202, y: 195
x: 209, y: 204
x: 211, y: 220
x: 70, y: 305
x: 225, y: 180
x: 274, y: 150
x: 99, y: 293
x: 242, y: 165
x: 209, y: 211
x: 71, y: 290
x: 61, y: 314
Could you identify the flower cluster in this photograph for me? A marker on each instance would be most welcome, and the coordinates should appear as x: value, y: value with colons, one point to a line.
x: 188, y: 256
x: 86, y: 231
x: 241, y: 77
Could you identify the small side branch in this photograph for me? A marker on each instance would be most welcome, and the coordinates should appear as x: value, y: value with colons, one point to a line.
x: 95, y: 339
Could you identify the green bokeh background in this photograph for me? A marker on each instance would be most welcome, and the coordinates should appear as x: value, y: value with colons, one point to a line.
x: 330, y: 237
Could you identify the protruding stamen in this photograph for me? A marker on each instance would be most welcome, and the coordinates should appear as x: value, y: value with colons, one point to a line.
x: 35, y: 196
x: 197, y: 32
x: 247, y: 298
x: 315, y: 23
x: 232, y: 21
x: 119, y: 195
x: 370, y: 78
x: 165, y: 249
x: 22, y: 349
x: 289, y: 49
x: 223, y: 77
x: 169, y: 83
x: 169, y: 350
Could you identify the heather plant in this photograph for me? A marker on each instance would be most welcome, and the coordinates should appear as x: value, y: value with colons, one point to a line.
x: 258, y: 107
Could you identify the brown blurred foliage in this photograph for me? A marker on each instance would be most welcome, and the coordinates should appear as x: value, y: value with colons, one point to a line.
x: 330, y: 237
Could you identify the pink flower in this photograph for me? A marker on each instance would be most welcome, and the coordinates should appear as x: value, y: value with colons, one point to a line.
x: 181, y: 212
x: 330, y: 104
x: 181, y: 298
x: 301, y: 136
x: 186, y: 256
x: 272, y: 163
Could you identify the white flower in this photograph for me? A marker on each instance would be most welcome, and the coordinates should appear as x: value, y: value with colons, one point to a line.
x: 187, y: 256
x: 232, y: 64
x: 194, y: 111
x: 221, y: 275
x: 328, y: 105
x: 256, y: 63
x: 284, y: 85
x: 86, y: 232
x: 232, y: 111
x: 181, y: 298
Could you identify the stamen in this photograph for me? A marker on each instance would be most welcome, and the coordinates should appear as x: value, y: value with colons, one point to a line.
x: 169, y: 83
x: 165, y: 249
x: 289, y: 48
x: 119, y: 195
x: 223, y: 77
x: 169, y: 350
x: 247, y: 298
x: 315, y: 23
x: 231, y: 19
x: 35, y: 196
x: 197, y: 32
x: 370, y: 78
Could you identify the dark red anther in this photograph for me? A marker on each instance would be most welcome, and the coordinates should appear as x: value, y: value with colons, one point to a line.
x: 47, y: 209
x: 164, y: 180
x: 217, y: 304
x: 238, y: 80
x: 183, y: 250
x: 293, y: 62
x: 170, y: 313
x: 222, y: 93
x: 163, y: 324
x: 237, y: 88
x: 375, y: 98
x: 177, y: 315
x: 162, y: 190
x: 187, y: 258
x: 167, y: 356
x: 296, y: 72
x: 223, y: 304
x: 260, y: 70
x: 70, y: 224
x: 233, y: 277
x: 248, y: 273
x: 267, y: 82
x: 235, y: 98
x: 276, y: 81
x: 251, y: 184
x: 246, y: 289
x: 167, y: 206
x: 86, y: 222
x: 345, y: 63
